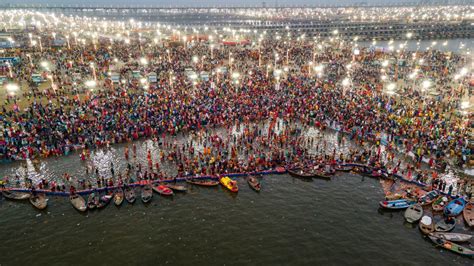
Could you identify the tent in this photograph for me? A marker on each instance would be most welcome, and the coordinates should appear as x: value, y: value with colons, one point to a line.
x: 204, y: 76
x: 37, y: 78
x: 152, y: 78
x: 136, y: 74
x: 115, y: 77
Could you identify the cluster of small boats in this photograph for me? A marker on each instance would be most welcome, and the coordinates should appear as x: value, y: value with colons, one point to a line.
x: 308, y: 173
x: 326, y: 172
x: 39, y: 201
x: 438, y: 232
x: 99, y: 200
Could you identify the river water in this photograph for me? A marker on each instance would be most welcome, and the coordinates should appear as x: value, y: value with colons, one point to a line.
x: 289, y: 221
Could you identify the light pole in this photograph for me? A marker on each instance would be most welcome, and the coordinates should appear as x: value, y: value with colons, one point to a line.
x: 9, y: 69
x: 75, y: 38
x: 346, y: 82
x: 259, y: 53
x: 31, y: 61
x: 277, y: 78
x: 93, y: 71
x: 67, y: 40
x: 40, y: 44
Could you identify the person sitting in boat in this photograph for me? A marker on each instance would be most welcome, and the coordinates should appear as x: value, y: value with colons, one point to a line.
x: 449, y: 219
x: 327, y: 168
x: 72, y: 190
x: 33, y: 191
x: 4, y: 182
x: 17, y: 180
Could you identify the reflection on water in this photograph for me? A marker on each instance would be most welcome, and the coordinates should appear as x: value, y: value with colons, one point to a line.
x: 53, y: 169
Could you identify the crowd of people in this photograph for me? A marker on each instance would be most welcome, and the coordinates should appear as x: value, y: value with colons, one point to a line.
x: 245, y: 148
x: 63, y: 115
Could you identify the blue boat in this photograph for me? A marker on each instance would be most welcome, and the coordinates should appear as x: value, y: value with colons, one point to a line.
x: 396, y: 204
x: 455, y: 207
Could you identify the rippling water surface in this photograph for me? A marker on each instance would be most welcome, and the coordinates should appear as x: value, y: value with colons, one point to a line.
x: 289, y: 221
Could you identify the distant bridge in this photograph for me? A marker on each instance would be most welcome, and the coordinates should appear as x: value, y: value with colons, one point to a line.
x: 213, y: 17
x: 205, y: 7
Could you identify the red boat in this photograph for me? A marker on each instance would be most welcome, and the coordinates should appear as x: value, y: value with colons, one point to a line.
x: 163, y: 190
x: 280, y: 169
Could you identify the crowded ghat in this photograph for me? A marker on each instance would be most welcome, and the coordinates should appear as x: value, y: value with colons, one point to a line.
x: 225, y: 106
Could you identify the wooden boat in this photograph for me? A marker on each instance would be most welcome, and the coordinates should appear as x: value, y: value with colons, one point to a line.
x: 322, y: 175
x: 300, y: 173
x: 130, y: 195
x: 163, y: 190
x: 455, y: 207
x: 455, y: 237
x: 451, y: 246
x: 413, y: 213
x: 330, y: 171
x: 394, y: 196
x: 177, y: 188
x: 104, y: 200
x: 428, y: 198
x: 396, y: 204
x: 374, y: 174
x: 118, y: 197
x: 229, y: 183
x: 439, y: 203
x: 14, y: 195
x: 39, y: 201
x: 468, y: 214
x: 147, y: 193
x: 204, y: 183
x: 364, y: 171
x: 253, y: 183
x: 426, y: 224
x: 92, y: 201
x: 78, y: 202
x: 344, y: 168
x: 445, y: 225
